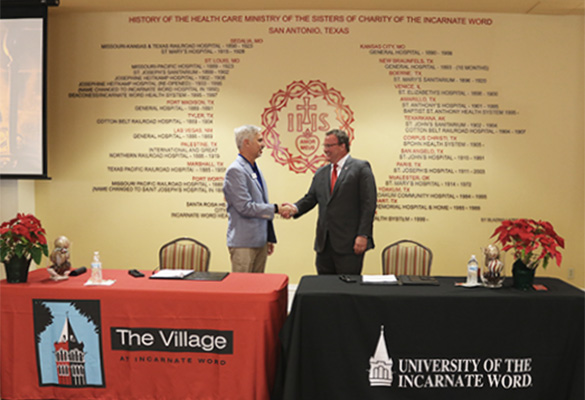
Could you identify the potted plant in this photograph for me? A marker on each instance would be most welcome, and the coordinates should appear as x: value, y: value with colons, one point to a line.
x: 22, y: 240
x: 532, y: 242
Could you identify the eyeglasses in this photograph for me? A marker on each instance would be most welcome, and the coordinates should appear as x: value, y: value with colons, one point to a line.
x: 327, y: 146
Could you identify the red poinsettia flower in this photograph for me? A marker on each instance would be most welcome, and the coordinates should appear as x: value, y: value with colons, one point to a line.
x: 23, y: 236
x: 531, y: 241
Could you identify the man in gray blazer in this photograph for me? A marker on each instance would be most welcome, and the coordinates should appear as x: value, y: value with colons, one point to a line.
x: 250, y: 234
x: 345, y: 191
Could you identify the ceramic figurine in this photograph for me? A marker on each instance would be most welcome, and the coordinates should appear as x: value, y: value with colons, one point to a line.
x: 60, y: 258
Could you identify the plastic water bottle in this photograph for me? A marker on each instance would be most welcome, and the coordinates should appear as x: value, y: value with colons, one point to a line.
x: 96, y: 268
x: 472, y: 270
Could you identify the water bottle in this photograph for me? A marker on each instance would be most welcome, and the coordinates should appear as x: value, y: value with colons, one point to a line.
x: 96, y: 268
x: 472, y: 271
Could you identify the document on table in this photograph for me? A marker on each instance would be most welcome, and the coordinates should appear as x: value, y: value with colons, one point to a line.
x: 380, y: 279
x: 104, y: 282
x: 172, y: 273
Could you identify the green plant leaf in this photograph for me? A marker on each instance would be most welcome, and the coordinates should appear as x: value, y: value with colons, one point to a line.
x: 37, y: 255
x: 3, y: 253
x: 19, y: 250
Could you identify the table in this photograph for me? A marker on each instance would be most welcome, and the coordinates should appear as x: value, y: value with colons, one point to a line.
x: 141, y: 338
x: 354, y: 341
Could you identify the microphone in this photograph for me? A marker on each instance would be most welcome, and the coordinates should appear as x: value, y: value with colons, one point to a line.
x: 78, y: 271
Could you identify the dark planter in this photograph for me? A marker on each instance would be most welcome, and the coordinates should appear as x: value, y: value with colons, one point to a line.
x: 17, y: 269
x: 523, y: 277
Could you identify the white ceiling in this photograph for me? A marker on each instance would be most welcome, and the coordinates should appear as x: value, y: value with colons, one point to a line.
x: 533, y: 7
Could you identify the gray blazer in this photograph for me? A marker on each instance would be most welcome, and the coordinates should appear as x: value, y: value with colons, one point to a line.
x: 248, y: 209
x: 348, y: 211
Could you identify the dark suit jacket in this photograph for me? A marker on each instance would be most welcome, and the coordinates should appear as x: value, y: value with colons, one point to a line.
x: 348, y: 211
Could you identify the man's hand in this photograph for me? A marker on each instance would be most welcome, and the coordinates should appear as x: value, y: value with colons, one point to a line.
x: 360, y: 245
x: 287, y: 210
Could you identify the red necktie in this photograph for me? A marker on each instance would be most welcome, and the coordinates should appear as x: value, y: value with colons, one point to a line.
x: 333, y: 177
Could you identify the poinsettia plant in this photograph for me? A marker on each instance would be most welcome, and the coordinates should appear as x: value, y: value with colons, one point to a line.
x: 531, y: 241
x: 23, y: 236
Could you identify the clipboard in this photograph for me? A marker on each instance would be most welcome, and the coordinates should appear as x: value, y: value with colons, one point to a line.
x: 419, y: 280
x: 206, y: 276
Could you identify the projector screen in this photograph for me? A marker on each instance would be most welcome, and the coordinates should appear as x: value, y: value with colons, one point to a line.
x: 22, y: 101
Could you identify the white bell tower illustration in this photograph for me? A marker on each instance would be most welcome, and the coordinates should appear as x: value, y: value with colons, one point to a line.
x: 381, y: 364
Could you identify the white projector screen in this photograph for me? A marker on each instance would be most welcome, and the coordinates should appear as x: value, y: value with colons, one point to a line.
x: 22, y: 121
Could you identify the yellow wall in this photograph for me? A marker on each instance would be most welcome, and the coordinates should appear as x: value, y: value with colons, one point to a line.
x: 535, y: 66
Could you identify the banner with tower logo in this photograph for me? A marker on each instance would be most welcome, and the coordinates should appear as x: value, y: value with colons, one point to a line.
x: 68, y: 342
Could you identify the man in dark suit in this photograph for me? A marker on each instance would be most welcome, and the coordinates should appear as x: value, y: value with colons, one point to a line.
x: 345, y: 191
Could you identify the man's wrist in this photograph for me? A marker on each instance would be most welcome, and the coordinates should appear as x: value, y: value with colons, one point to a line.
x: 276, y: 208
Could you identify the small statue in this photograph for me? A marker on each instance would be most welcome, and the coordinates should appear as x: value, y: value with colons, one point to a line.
x: 60, y: 259
x: 491, y: 252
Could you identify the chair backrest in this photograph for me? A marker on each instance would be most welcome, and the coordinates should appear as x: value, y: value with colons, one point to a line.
x: 407, y: 257
x: 184, y: 253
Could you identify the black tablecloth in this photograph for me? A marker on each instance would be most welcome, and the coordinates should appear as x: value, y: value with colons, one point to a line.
x: 443, y: 342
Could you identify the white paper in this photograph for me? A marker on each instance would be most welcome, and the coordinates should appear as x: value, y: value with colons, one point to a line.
x: 173, y: 273
x: 379, y: 279
x: 468, y: 285
x: 104, y: 282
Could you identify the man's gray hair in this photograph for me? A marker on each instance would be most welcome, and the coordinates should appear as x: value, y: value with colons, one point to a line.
x: 245, y: 132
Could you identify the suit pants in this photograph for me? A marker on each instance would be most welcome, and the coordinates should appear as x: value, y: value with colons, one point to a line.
x: 248, y: 259
x: 329, y: 262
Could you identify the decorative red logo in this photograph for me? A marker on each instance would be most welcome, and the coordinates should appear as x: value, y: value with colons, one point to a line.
x: 297, y: 119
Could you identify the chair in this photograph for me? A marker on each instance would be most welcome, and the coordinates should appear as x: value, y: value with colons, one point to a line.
x: 184, y: 253
x: 407, y: 257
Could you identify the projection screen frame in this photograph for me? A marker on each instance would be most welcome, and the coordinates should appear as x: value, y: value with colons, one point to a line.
x: 32, y: 10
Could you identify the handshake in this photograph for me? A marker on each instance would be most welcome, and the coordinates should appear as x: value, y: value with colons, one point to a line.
x: 287, y: 210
